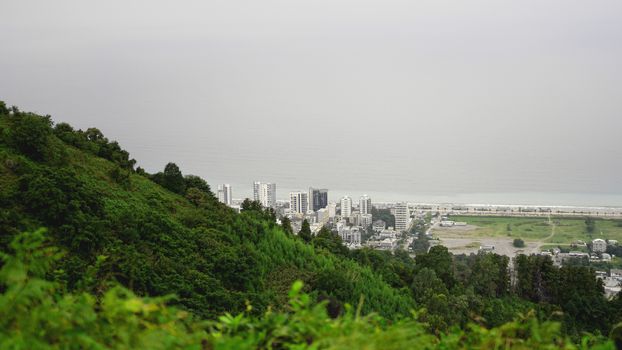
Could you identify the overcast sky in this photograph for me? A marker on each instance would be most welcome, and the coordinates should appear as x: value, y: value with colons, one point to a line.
x: 434, y: 97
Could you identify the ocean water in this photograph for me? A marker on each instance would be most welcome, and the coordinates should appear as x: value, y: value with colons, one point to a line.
x: 483, y: 177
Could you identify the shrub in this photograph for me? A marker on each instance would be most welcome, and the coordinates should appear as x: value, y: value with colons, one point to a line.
x: 518, y: 243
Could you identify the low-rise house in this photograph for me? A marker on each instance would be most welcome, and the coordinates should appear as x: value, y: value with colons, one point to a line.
x: 379, y: 225
x: 387, y: 244
x: 616, y: 273
x: 599, y: 245
x: 387, y: 234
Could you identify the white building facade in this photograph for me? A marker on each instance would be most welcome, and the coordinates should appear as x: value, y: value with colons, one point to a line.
x: 298, y: 202
x: 365, y: 204
x: 265, y: 193
x: 346, y: 207
x: 224, y: 194
x: 402, y: 217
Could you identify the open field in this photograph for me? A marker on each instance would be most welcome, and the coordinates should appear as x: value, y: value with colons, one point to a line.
x: 531, y: 229
x: 503, y: 246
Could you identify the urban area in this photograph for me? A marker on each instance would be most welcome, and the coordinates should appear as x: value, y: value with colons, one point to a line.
x: 463, y: 229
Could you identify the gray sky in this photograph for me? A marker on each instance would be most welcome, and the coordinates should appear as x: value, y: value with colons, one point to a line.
x: 405, y: 97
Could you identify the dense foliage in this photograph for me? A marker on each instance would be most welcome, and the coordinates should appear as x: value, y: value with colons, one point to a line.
x: 163, y: 233
x: 38, y: 314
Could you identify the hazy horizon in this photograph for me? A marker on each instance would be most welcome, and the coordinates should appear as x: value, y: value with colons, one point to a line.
x: 475, y: 101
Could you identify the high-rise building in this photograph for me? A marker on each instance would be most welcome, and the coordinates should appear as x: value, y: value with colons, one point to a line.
x: 224, y: 194
x: 298, y: 202
x: 365, y: 205
x: 402, y: 217
x: 346, y: 207
x: 318, y: 198
x: 332, y: 209
x: 265, y: 193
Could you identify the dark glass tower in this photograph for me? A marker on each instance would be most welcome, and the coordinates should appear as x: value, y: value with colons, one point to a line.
x: 318, y: 198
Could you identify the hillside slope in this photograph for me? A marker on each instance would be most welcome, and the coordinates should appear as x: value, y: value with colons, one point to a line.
x: 152, y: 240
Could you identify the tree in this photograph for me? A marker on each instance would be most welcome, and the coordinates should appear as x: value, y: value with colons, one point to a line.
x: 489, y: 275
x: 426, y: 284
x: 196, y: 196
x: 121, y: 177
x: 249, y: 205
x: 305, y: 231
x: 518, y: 243
x: 590, y: 225
x: 171, y: 179
x: 421, y: 244
x: 3, y: 109
x: 286, y: 224
x: 30, y: 134
x: 193, y: 181
x: 330, y: 241
x: 438, y: 259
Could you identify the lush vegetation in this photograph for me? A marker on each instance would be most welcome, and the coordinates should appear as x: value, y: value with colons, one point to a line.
x: 39, y: 314
x: 136, y: 260
x: 160, y: 234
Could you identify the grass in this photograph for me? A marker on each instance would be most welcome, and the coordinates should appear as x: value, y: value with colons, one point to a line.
x: 566, y: 230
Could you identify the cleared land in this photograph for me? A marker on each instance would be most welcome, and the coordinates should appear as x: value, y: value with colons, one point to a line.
x: 557, y: 230
x: 503, y: 246
x: 537, y: 232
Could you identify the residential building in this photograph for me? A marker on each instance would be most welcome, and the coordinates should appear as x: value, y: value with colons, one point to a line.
x: 402, y: 217
x: 346, y: 207
x: 318, y: 198
x: 322, y: 216
x: 332, y: 210
x: 355, y: 218
x: 350, y: 235
x: 365, y: 204
x: 224, y: 194
x: 265, y: 193
x: 298, y: 202
x: 379, y: 225
x: 599, y: 245
x: 365, y: 220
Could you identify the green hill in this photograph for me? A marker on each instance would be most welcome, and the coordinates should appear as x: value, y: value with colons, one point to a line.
x: 84, y: 189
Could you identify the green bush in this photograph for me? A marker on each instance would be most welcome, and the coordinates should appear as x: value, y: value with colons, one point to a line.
x: 518, y: 243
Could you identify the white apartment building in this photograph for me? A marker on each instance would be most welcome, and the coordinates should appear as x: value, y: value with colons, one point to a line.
x: 298, y: 202
x: 332, y: 210
x: 346, y: 207
x: 224, y: 194
x: 365, y: 204
x: 402, y: 217
x: 265, y: 193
